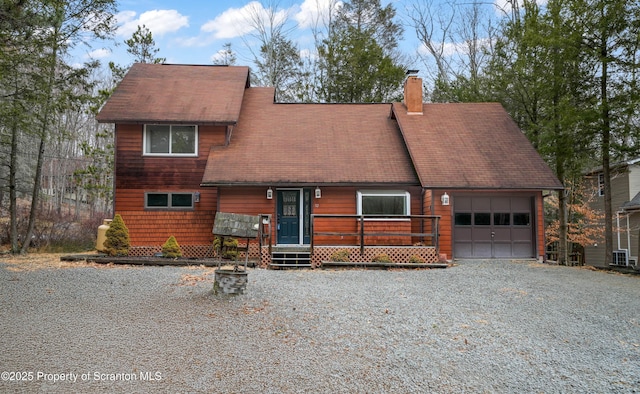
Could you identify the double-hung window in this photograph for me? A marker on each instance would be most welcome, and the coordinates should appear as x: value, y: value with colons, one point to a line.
x: 173, y: 140
x: 384, y: 203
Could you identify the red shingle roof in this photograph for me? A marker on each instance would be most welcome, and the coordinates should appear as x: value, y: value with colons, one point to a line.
x: 311, y: 144
x: 472, y: 146
x: 177, y: 94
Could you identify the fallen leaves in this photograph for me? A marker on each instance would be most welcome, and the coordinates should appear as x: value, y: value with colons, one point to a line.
x: 192, y: 280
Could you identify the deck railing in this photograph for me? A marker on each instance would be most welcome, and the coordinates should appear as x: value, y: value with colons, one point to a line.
x: 427, y: 229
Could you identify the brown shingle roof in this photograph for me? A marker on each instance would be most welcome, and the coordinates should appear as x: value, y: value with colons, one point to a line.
x: 311, y: 144
x: 472, y: 146
x: 177, y: 94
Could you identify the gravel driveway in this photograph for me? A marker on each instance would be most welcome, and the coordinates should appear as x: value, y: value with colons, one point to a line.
x: 480, y: 326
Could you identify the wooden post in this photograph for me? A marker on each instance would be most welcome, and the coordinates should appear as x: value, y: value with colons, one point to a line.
x: 361, y: 235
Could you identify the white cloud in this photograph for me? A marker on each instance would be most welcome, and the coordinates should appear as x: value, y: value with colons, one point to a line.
x: 315, y: 12
x: 159, y: 22
x: 198, y: 41
x: 236, y: 22
x: 98, y: 53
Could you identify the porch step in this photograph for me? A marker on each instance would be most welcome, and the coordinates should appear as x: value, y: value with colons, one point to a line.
x: 290, y: 258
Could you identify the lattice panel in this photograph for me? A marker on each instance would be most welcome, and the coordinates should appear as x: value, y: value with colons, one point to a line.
x: 265, y: 257
x: 188, y: 251
x: 194, y: 251
x: 398, y: 254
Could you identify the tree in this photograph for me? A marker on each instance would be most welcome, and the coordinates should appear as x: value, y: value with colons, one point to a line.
x: 95, y: 177
x: 357, y: 57
x: 611, y: 40
x: 538, y: 73
x: 456, y: 42
x: 433, y: 29
x: 142, y: 47
x: 171, y: 248
x: 567, y: 73
x: 585, y: 225
x: 277, y: 61
x: 35, y: 37
x: 18, y: 24
x: 225, y: 57
x: 280, y: 66
x: 117, y: 241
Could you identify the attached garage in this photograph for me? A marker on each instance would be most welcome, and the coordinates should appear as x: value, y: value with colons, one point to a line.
x: 494, y: 226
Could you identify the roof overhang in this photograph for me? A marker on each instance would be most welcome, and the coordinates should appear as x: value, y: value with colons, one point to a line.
x: 284, y: 184
x: 168, y: 121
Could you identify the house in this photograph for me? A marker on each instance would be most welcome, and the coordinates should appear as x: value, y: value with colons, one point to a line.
x: 401, y: 179
x: 625, y: 205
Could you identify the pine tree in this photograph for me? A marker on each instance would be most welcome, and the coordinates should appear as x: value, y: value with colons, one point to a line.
x: 358, y: 59
x: 117, y: 238
x: 171, y: 249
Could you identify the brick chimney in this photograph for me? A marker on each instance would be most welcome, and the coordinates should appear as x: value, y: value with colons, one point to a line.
x: 413, y: 95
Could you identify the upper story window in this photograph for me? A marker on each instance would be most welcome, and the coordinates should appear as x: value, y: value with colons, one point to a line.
x: 384, y: 203
x: 174, y: 140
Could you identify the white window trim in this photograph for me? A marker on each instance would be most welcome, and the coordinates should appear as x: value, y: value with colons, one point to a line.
x: 389, y: 193
x: 144, y: 142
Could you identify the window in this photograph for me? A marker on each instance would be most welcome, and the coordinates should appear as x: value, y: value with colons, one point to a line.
x: 601, y: 184
x: 178, y: 140
x: 521, y: 219
x: 168, y: 200
x: 482, y: 219
x: 501, y: 219
x: 462, y: 219
x: 384, y: 203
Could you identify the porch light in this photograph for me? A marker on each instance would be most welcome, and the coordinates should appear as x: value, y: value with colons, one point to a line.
x: 269, y: 194
x: 196, y: 197
x: 318, y: 193
x: 445, y: 199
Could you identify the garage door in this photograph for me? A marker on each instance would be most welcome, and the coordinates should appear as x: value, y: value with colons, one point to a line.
x: 493, y: 227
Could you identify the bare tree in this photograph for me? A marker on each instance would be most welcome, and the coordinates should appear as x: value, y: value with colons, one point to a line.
x: 433, y: 25
x: 277, y: 58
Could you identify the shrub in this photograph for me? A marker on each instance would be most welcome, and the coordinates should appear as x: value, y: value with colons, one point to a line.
x: 340, y: 255
x: 171, y: 249
x: 117, y: 238
x: 415, y: 259
x: 226, y: 247
x: 382, y: 258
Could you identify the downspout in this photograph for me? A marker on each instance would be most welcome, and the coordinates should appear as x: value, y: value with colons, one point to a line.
x: 618, y: 227
x: 628, y: 237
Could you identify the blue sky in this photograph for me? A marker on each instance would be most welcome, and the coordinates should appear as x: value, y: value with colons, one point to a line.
x: 194, y: 31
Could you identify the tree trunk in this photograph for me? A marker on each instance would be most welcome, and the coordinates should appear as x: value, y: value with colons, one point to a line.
x: 43, y: 132
x: 606, y: 154
x: 13, y: 198
x: 35, y: 198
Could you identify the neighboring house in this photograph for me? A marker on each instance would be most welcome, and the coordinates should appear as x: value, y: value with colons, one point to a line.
x: 402, y: 179
x: 625, y: 205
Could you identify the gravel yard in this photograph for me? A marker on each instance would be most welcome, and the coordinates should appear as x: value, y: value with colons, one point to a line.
x: 479, y: 326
